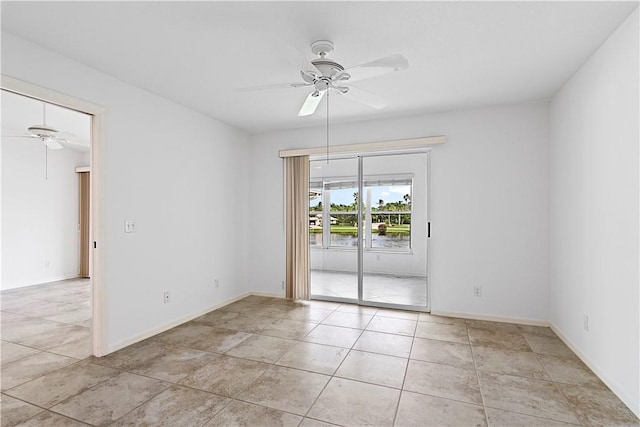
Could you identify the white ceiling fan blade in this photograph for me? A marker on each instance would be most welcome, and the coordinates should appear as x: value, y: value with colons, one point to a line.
x: 311, y: 103
x: 378, y: 67
x: 19, y: 136
x: 273, y: 86
x: 363, y: 97
x: 52, y: 144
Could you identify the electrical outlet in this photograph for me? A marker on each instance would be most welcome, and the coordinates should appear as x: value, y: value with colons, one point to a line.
x: 216, y: 282
x: 47, y: 264
x: 283, y: 284
x: 586, y: 322
x: 129, y: 226
x: 166, y: 297
x: 477, y: 291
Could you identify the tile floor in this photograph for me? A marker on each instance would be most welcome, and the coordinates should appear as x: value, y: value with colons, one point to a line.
x: 269, y: 362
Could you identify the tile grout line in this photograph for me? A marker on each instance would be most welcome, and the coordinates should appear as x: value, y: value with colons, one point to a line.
x: 404, y: 378
x: 475, y: 370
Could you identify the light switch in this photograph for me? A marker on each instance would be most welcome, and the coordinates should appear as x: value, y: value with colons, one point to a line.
x: 129, y: 226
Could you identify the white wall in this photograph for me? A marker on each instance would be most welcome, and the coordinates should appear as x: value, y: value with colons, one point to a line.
x: 594, y: 211
x: 489, y: 205
x: 180, y: 175
x: 40, y: 239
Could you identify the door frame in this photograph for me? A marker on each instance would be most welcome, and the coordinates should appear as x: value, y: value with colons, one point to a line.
x: 97, y: 112
x: 360, y: 259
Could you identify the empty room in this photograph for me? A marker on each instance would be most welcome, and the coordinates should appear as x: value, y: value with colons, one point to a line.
x: 320, y: 213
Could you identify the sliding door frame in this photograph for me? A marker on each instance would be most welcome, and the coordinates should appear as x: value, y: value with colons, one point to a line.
x: 360, y: 248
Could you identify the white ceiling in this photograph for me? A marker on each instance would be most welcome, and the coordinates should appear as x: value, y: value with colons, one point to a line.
x: 461, y: 54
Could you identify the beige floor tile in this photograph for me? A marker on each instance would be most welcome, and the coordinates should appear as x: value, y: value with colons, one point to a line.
x: 428, y: 317
x: 30, y: 367
x: 14, y: 411
x: 18, y: 327
x: 497, y: 338
x: 248, y: 415
x: 525, y: 396
x: 334, y: 335
x: 262, y: 348
x: 308, y: 314
x: 596, y: 407
x: 570, y: 371
x: 176, y: 406
x: 42, y: 308
x: 110, y: 400
x: 509, y: 362
x: 391, y: 325
x: 500, y: 418
x: 287, y: 328
x: 249, y: 322
x: 80, y: 349
x: 78, y: 316
x: 447, y: 353
x: 354, y: 308
x: 51, y: 389
x: 348, y: 320
x: 318, y: 358
x: 492, y: 326
x: 310, y: 422
x: 286, y: 389
x: 172, y: 363
x: 353, y: 403
x: 50, y: 419
x: 444, y: 381
x: 11, y: 351
x: 55, y: 338
x: 420, y: 410
x: 185, y: 334
x: 379, y: 342
x: 398, y: 314
x: 536, y: 330
x: 227, y: 376
x: 219, y: 340
x: 551, y: 345
x: 442, y: 332
x: 373, y: 368
x: 215, y: 318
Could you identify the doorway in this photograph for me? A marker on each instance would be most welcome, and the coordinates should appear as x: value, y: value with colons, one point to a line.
x: 96, y: 115
x: 368, y: 230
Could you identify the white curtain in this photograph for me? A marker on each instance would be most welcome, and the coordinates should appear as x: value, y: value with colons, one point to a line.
x: 297, y: 227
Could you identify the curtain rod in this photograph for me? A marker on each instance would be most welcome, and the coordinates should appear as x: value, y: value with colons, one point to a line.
x: 367, y: 146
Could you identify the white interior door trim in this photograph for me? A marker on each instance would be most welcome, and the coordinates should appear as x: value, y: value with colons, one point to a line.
x: 97, y: 137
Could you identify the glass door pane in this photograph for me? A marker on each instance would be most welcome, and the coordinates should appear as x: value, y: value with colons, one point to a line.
x: 394, y: 259
x: 333, y: 229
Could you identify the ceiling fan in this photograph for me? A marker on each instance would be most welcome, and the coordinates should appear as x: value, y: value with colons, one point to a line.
x: 49, y: 136
x: 323, y: 74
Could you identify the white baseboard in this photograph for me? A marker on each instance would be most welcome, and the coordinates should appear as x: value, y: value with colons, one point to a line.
x: 472, y: 316
x: 155, y: 331
x: 633, y: 406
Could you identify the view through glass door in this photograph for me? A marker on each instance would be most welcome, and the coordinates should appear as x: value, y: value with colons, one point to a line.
x: 374, y: 254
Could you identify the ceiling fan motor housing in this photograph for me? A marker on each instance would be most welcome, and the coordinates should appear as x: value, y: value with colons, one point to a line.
x: 43, y: 131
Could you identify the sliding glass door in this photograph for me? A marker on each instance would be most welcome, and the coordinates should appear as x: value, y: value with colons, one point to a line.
x: 334, y: 229
x: 368, y: 230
